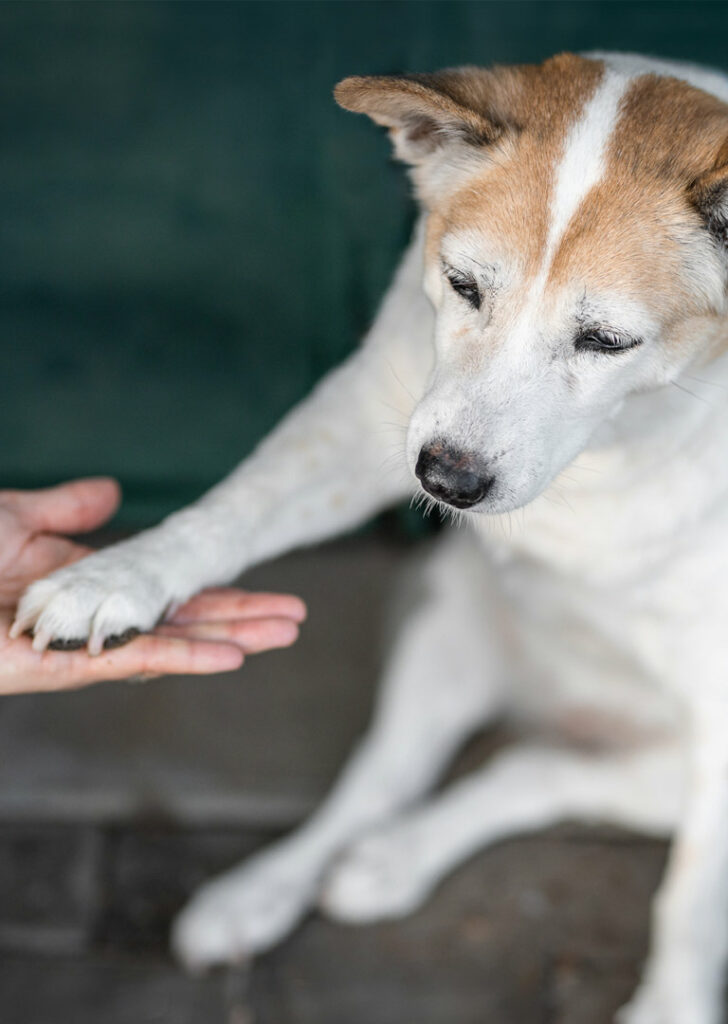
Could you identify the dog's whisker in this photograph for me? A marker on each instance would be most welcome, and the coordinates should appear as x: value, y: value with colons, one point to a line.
x: 400, y: 382
x: 585, y: 469
x: 395, y: 410
x: 699, y: 398
x: 562, y: 497
x: 707, y: 383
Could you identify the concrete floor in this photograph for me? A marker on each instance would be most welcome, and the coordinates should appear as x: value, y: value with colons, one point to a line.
x: 116, y: 802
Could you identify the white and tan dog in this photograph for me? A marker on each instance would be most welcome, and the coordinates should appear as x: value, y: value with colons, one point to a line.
x: 569, y: 361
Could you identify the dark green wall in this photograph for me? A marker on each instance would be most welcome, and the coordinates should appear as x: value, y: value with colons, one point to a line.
x: 191, y: 232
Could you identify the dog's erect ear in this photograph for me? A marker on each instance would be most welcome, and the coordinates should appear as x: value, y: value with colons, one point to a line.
x: 709, y: 194
x: 424, y: 113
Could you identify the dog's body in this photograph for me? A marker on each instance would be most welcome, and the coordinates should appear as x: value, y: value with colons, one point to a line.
x: 573, y: 244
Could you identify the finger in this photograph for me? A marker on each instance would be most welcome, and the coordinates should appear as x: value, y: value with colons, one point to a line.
x: 24, y: 671
x: 68, y: 508
x: 231, y: 603
x: 252, y: 635
x: 48, y: 552
x: 41, y: 556
x: 149, y: 655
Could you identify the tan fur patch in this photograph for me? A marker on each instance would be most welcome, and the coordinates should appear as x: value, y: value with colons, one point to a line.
x: 511, y: 198
x: 638, y: 229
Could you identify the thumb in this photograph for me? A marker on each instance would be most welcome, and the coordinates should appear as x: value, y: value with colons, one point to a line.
x: 68, y: 508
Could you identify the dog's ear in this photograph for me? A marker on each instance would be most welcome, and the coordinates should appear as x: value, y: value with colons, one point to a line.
x: 709, y: 194
x: 425, y: 114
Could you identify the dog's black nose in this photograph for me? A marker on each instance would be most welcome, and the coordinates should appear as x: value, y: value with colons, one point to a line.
x: 456, y: 477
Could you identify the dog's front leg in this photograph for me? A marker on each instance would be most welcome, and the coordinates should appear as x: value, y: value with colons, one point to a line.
x: 333, y: 462
x: 683, y: 981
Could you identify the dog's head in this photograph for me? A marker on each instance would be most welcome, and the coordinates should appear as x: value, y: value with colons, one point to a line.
x: 577, y: 220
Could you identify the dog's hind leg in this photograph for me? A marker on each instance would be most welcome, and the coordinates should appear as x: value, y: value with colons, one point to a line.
x: 391, y: 872
x: 441, y: 684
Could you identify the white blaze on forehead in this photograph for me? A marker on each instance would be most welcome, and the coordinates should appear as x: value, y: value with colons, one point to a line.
x: 581, y: 167
x: 583, y: 160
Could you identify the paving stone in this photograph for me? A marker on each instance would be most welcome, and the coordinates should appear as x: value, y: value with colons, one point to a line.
x: 150, y: 872
x: 450, y: 971
x: 584, y: 991
x: 529, y: 927
x: 48, y: 886
x: 592, y: 896
x: 481, y: 949
x: 112, y: 990
x: 548, y: 928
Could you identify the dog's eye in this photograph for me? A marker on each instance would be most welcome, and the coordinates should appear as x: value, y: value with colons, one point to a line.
x: 466, y: 287
x: 604, y: 341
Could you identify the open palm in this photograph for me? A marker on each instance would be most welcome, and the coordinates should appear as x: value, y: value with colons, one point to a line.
x: 210, y: 633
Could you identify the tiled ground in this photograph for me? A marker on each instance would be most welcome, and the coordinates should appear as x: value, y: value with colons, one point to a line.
x: 116, y: 803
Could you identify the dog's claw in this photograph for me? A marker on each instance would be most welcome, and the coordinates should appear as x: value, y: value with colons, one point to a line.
x: 109, y: 644
x: 41, y: 639
x: 119, y: 639
x: 67, y: 645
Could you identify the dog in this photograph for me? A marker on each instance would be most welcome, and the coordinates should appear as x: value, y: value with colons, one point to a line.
x: 555, y: 344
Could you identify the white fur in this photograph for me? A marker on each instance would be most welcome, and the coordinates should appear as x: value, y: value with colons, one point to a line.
x: 597, y: 610
x: 582, y: 162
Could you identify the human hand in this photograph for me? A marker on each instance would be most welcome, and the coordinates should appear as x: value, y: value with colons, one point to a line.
x: 210, y: 633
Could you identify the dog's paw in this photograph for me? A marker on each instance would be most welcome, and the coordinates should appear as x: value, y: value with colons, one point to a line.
x: 375, y: 879
x: 102, y: 601
x: 243, y: 913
